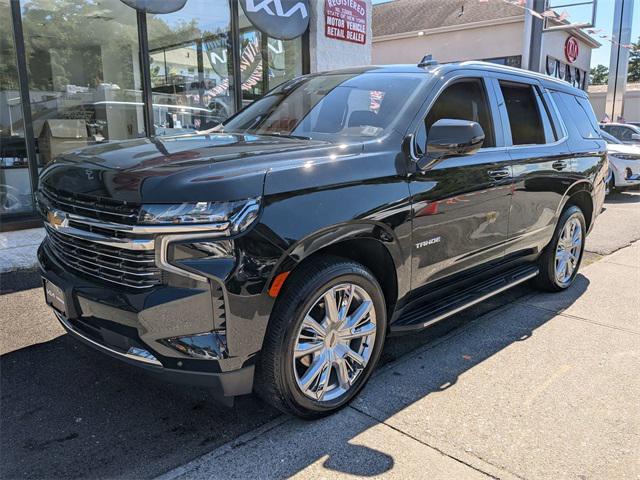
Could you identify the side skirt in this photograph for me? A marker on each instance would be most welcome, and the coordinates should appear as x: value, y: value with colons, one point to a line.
x: 428, y: 314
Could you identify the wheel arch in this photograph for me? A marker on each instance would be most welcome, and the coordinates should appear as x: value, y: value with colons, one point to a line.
x: 579, y: 194
x: 368, y: 243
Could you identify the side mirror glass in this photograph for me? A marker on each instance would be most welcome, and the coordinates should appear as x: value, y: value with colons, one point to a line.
x: 451, y: 138
x: 635, y: 136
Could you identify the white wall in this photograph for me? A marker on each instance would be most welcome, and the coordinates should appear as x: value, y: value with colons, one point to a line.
x: 553, y: 44
x: 631, y: 105
x: 452, y: 45
x: 330, y: 54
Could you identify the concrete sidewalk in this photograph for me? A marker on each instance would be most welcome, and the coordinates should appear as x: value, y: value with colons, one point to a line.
x: 545, y: 388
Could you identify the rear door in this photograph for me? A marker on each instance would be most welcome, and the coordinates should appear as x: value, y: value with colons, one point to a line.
x: 461, y: 205
x: 541, y: 161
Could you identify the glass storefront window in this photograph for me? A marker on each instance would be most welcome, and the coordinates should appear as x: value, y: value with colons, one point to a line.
x: 282, y: 58
x: 191, y: 67
x: 84, y: 73
x: 15, y: 182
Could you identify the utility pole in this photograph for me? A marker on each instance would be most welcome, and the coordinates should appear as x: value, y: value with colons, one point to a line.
x: 619, y: 60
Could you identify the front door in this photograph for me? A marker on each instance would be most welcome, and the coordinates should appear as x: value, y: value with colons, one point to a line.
x: 461, y: 205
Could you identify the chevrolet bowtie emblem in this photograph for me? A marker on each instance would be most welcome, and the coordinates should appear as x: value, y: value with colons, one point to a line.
x: 56, y: 219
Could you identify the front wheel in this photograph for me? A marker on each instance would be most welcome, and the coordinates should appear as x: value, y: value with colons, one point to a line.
x: 561, y: 259
x: 324, y: 338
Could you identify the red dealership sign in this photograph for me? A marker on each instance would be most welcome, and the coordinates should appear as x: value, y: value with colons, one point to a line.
x: 571, y: 49
x: 346, y: 20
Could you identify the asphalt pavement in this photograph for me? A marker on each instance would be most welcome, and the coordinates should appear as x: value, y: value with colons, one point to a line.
x: 70, y: 412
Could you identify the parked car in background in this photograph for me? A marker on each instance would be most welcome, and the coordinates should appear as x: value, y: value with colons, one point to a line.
x: 624, y: 163
x: 625, y: 132
x: 277, y: 253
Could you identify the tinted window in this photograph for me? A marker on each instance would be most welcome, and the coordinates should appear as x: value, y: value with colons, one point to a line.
x: 525, y: 116
x: 464, y: 100
x: 330, y: 106
x: 578, y: 112
x: 626, y: 133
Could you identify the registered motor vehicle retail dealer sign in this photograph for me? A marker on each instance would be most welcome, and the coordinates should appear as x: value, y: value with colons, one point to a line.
x: 346, y: 20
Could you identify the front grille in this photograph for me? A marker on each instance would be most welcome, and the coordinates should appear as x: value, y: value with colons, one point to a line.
x: 129, y: 268
x: 100, y: 208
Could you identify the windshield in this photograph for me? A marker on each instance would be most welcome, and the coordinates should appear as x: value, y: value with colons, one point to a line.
x: 609, y: 138
x: 330, y: 106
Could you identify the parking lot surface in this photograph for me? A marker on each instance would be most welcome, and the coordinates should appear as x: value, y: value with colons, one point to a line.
x: 539, y: 387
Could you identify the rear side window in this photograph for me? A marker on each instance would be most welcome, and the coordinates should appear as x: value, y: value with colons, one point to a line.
x: 528, y: 117
x: 577, y: 111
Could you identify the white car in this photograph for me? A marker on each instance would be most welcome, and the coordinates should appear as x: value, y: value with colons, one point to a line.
x: 624, y: 162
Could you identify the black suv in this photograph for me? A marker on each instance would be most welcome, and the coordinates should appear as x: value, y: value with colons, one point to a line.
x: 276, y: 253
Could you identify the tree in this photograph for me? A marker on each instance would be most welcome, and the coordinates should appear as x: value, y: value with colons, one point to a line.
x: 634, y: 62
x: 599, y: 75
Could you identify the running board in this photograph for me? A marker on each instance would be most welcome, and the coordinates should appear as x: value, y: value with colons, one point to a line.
x: 426, y: 315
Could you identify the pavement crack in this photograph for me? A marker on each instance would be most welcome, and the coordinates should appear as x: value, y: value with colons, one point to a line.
x: 575, y: 317
x: 439, y: 450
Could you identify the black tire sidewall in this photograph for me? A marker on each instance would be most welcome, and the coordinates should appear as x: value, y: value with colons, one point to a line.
x: 335, y: 275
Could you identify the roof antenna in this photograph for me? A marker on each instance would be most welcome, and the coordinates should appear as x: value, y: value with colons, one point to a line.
x: 427, y: 61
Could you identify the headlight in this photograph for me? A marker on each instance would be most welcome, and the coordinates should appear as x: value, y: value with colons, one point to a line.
x: 625, y: 156
x: 239, y: 213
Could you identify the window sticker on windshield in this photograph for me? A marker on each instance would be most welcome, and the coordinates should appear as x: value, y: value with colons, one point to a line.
x: 375, y: 99
x: 371, y: 131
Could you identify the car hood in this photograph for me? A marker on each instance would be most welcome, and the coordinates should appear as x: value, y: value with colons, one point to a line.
x: 186, y: 168
x: 614, y: 148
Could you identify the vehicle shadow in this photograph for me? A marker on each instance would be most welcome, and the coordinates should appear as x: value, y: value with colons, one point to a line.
x: 342, y: 443
x: 71, y: 412
x: 68, y: 411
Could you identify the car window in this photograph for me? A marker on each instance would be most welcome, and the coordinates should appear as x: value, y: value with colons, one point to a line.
x: 463, y: 100
x: 625, y: 133
x: 525, y: 114
x: 578, y: 111
x: 330, y: 106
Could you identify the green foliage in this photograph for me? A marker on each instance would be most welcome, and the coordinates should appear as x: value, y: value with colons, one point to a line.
x: 634, y: 62
x: 599, y: 75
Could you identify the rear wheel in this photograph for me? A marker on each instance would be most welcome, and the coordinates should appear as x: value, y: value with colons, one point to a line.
x: 561, y: 259
x: 324, y: 338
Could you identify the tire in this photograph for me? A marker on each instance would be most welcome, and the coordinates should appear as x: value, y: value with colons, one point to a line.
x: 550, y: 278
x: 281, y: 376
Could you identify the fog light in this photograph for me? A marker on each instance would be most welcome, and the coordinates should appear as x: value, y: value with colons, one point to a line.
x: 206, y: 346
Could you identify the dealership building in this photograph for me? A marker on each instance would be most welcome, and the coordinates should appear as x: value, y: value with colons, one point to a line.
x: 90, y: 72
x: 497, y: 32
x: 87, y: 72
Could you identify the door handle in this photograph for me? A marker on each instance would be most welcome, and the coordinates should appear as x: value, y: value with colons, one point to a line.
x: 499, y: 174
x: 559, y: 165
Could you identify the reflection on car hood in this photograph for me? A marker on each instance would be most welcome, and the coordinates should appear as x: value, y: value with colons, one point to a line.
x: 201, y: 167
x: 614, y: 148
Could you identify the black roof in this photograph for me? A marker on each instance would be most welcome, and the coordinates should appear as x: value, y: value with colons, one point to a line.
x: 442, y: 69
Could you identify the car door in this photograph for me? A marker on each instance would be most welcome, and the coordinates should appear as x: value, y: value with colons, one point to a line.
x: 541, y: 159
x: 460, y: 205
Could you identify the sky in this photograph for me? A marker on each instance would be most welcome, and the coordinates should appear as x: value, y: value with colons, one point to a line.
x: 604, y: 20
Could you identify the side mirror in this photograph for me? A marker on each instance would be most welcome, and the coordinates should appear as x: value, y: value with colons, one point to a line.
x: 635, y: 136
x: 451, y: 138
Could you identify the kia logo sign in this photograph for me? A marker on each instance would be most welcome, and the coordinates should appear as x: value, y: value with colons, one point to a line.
x: 571, y: 49
x: 282, y: 19
x: 156, y: 6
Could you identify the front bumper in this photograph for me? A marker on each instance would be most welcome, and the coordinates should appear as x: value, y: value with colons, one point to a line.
x: 131, y: 327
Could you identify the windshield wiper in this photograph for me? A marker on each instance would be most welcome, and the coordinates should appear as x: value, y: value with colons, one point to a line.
x: 284, y: 135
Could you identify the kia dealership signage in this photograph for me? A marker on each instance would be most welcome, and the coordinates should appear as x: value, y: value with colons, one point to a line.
x: 281, y: 19
x: 346, y: 20
x: 156, y: 6
x: 571, y: 49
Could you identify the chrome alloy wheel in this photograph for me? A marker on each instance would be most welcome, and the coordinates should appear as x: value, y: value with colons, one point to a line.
x: 568, y: 251
x: 334, y: 343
